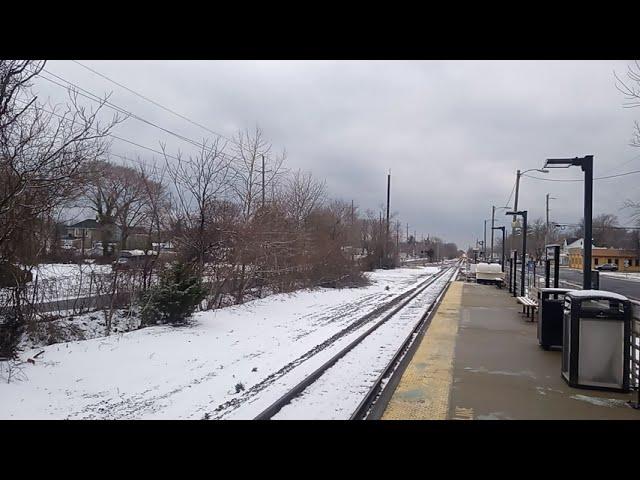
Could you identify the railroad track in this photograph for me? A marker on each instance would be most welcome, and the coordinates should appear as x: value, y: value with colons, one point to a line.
x: 371, y: 405
x: 226, y: 408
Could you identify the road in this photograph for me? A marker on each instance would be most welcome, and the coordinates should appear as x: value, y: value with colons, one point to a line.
x: 628, y: 288
x: 573, y: 278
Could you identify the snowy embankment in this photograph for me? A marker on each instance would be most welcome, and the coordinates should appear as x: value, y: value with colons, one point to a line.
x: 222, y: 360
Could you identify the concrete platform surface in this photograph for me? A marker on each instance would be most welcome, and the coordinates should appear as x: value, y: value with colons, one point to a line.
x: 480, y: 360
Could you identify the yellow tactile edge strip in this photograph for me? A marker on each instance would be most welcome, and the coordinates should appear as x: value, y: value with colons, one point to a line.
x: 423, y: 391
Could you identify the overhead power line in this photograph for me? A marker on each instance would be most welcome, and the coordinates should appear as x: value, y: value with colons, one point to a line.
x: 131, y: 142
x: 601, y: 227
x: 582, y: 180
x: 152, y: 101
x: 95, y: 98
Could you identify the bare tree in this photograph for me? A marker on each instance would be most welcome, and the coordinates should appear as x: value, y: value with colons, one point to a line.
x: 256, y: 173
x: 630, y: 88
x: 303, y: 194
x: 45, y: 152
x: 201, y: 183
x: 606, y: 231
x: 119, y: 195
x: 252, y: 181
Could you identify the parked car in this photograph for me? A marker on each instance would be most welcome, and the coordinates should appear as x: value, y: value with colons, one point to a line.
x: 608, y: 267
x: 134, y: 259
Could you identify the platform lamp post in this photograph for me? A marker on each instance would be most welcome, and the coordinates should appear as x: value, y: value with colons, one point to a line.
x: 586, y: 164
x: 493, y: 224
x: 515, y: 201
x: 503, y: 242
x: 523, y: 214
x: 484, y: 243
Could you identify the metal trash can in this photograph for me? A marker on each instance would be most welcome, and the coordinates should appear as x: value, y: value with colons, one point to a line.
x: 596, y: 340
x: 550, y: 315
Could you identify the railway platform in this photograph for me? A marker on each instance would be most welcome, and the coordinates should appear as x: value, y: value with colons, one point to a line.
x: 480, y: 360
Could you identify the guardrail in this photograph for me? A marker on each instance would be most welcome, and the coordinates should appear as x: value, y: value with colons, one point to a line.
x: 535, y: 280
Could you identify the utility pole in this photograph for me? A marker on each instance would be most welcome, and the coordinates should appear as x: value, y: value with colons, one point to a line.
x: 515, y: 209
x: 503, y: 241
x: 263, y: 181
x: 484, y: 244
x: 546, y: 232
x: 398, y: 240
x: 386, y: 240
x: 352, y: 213
x: 515, y: 202
x: 493, y: 218
x: 382, y: 243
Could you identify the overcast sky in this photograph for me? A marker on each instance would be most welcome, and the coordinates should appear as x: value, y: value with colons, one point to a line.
x: 453, y: 133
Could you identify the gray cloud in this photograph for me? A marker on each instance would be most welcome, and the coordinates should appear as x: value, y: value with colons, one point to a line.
x: 452, y: 132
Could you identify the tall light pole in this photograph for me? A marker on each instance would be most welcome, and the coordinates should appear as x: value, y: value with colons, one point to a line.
x: 503, y: 241
x: 518, y: 175
x: 493, y: 216
x: 523, y: 214
x: 515, y: 201
x: 586, y: 164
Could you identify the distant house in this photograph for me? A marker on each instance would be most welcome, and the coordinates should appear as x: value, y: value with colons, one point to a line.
x: 567, y: 245
x: 626, y: 260
x: 88, y: 234
x: 82, y: 235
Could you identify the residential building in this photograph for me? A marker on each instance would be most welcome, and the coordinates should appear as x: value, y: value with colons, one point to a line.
x: 626, y: 260
x: 82, y: 235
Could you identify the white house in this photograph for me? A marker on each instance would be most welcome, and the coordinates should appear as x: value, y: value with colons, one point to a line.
x: 564, y: 250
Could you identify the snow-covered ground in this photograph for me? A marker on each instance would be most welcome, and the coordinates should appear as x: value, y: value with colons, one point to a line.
x: 60, y: 281
x: 48, y: 271
x: 230, y: 361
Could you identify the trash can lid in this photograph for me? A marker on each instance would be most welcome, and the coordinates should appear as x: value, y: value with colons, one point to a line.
x: 597, y: 294
x: 555, y: 290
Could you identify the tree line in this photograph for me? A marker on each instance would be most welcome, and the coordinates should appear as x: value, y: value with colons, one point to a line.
x: 241, y: 222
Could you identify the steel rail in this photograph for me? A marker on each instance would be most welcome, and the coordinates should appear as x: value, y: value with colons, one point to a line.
x: 372, y: 406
